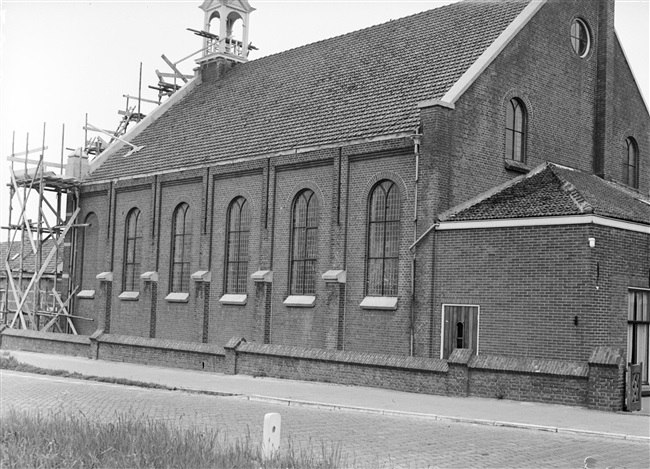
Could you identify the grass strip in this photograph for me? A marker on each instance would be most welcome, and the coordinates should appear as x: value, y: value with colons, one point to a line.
x: 9, y: 362
x: 55, y: 439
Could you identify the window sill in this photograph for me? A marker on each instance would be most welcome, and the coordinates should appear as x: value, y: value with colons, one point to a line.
x: 233, y: 299
x: 178, y: 297
x: 516, y: 166
x: 300, y: 301
x: 384, y: 303
x: 129, y: 295
x: 86, y: 294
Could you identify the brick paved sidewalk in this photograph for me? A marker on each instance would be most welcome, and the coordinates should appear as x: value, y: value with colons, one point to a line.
x: 545, y: 417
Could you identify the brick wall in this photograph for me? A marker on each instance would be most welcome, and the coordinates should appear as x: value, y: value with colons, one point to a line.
x: 159, y: 352
x: 598, y: 383
x: 92, y: 258
x: 44, y: 342
x: 463, y: 149
x: 542, y: 291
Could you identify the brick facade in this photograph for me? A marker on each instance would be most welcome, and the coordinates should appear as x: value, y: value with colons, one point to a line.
x: 536, y: 286
x: 543, y: 291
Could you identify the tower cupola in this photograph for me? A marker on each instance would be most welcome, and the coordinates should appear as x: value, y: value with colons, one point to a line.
x: 225, y: 30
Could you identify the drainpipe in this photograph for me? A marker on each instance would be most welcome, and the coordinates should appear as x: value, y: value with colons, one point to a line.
x: 417, y: 139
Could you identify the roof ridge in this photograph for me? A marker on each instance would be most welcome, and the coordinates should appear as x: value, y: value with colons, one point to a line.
x: 401, y: 18
x: 572, y: 191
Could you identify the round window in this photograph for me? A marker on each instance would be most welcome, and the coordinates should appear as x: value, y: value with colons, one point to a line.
x: 580, y: 38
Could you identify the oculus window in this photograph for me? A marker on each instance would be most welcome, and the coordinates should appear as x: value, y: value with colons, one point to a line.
x: 383, y: 240
x: 516, y: 118
x: 181, y: 249
x: 132, y: 248
x: 580, y: 37
x: 239, y: 221
x: 304, y: 243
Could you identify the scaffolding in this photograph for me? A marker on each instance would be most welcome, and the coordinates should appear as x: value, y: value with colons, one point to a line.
x: 37, y: 292
x: 37, y: 282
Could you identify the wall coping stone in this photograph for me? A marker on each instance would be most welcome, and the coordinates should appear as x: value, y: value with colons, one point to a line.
x: 460, y: 356
x: 161, y: 344
x: 606, y: 356
x: 529, y: 365
x: 372, y: 359
x: 52, y: 336
x: 234, y: 343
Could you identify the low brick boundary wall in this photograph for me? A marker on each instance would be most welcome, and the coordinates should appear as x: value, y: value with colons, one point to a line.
x: 159, y: 352
x: 412, y: 374
x: 520, y: 379
x: 44, y: 342
x: 598, y: 383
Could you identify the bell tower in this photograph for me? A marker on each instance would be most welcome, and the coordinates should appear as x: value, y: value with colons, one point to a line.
x: 225, y: 30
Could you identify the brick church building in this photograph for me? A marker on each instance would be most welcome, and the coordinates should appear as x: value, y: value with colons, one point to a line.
x: 471, y: 178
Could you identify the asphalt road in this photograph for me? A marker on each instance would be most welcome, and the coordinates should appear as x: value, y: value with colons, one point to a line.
x: 367, y: 439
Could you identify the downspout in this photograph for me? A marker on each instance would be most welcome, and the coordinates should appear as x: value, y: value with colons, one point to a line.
x: 417, y: 139
x: 412, y: 249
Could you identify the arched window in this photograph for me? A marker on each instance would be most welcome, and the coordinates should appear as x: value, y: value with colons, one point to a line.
x: 304, y: 243
x: 181, y: 249
x: 239, y: 219
x: 516, y: 131
x: 383, y: 240
x: 631, y: 163
x: 90, y: 253
x: 132, y: 255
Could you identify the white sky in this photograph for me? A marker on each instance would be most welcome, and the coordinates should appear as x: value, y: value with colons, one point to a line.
x: 62, y: 59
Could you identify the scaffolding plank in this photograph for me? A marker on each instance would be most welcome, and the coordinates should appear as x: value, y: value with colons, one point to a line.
x: 23, y: 153
x: 46, y: 164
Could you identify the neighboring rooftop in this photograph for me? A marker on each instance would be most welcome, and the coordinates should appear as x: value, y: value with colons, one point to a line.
x: 360, y: 85
x: 553, y: 190
x: 29, y: 259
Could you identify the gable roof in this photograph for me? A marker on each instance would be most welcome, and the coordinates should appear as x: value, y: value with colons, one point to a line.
x: 361, y: 85
x: 553, y: 190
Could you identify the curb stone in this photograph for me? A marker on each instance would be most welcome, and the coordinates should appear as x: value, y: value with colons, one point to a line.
x: 496, y: 423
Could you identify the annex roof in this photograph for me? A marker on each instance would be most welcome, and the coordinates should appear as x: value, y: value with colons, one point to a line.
x: 360, y: 85
x: 553, y: 190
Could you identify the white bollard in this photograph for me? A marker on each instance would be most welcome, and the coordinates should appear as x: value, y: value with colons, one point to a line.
x: 271, y: 435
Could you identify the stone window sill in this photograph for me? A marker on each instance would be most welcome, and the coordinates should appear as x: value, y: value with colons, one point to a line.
x: 516, y: 166
x: 385, y: 303
x: 86, y: 294
x: 129, y: 296
x: 233, y: 299
x: 178, y: 297
x: 300, y: 301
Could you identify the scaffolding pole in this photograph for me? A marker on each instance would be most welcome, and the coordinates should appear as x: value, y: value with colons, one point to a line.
x: 37, y: 297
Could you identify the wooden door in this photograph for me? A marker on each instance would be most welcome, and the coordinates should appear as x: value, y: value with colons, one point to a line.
x: 460, y: 328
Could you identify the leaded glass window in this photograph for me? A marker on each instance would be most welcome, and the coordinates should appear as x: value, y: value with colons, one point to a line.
x: 132, y: 248
x: 181, y: 249
x: 516, y: 131
x: 383, y: 240
x: 304, y: 243
x: 239, y: 220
